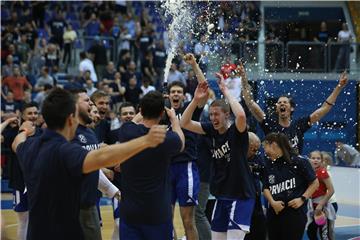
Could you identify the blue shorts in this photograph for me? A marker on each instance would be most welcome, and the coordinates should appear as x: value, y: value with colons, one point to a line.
x: 20, y: 201
x: 146, y: 232
x: 185, y: 183
x: 116, y: 208
x: 232, y: 215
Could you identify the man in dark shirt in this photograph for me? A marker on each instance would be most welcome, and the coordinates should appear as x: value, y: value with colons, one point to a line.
x: 57, y: 26
x: 294, y: 129
x: 145, y: 206
x: 98, y: 53
x: 53, y: 167
x: 232, y: 183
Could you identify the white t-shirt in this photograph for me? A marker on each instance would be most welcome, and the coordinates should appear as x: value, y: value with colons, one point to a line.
x: 87, y: 65
x: 148, y: 89
x: 234, y: 86
x: 344, y: 36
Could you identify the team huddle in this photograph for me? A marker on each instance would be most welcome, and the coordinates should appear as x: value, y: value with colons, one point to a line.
x: 152, y: 161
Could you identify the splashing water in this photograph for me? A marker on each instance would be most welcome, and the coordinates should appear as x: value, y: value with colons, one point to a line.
x: 180, y: 14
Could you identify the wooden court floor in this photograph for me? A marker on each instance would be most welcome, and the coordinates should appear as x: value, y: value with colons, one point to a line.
x: 9, y: 221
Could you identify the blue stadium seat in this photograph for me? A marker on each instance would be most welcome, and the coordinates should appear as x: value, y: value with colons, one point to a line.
x: 43, y: 33
x: 71, y: 16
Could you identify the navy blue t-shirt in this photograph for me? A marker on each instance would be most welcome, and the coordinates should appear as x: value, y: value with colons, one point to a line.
x: 287, y: 181
x: 86, y: 138
x: 145, y: 179
x: 52, y: 169
x: 103, y: 132
x: 190, y: 150
x: 295, y: 132
x: 9, y: 107
x: 231, y: 173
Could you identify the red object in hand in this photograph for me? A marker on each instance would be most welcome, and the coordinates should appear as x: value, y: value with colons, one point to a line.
x: 227, y: 69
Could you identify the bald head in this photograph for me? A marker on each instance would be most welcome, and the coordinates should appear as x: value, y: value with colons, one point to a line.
x: 254, y: 145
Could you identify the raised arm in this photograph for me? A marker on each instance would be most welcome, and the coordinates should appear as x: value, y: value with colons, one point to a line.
x: 175, y: 125
x: 237, y: 109
x: 190, y: 59
x: 26, y: 129
x: 330, y: 101
x: 247, y: 95
x: 118, y: 153
x: 186, y: 121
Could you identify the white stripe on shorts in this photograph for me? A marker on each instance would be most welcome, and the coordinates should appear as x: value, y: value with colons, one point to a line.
x: 190, y: 180
x: 214, y: 209
x: 17, y: 197
x: 232, y: 212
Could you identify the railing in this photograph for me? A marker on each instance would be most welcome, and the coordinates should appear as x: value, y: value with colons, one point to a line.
x: 269, y: 56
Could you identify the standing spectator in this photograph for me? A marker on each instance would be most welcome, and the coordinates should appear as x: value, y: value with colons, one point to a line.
x: 38, y: 10
x: 24, y: 49
x: 7, y: 69
x: 159, y: 61
x: 87, y: 65
x: 31, y: 34
x: 133, y: 93
x: 69, y: 38
x: 175, y: 75
x: 144, y: 41
x: 320, y: 200
x: 289, y: 181
x: 346, y: 154
x: 98, y: 54
x: 8, y: 106
x: 17, y: 84
x: 345, y: 38
x: 56, y: 27
x: 92, y: 29
x: 130, y: 72
x: 202, y: 51
x: 14, y: 53
x: 44, y: 79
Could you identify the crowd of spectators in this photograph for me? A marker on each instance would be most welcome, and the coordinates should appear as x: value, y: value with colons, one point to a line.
x: 38, y: 39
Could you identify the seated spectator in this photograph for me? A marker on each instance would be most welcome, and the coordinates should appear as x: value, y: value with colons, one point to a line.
x: 17, y: 84
x: 52, y: 56
x: 346, y: 155
x: 87, y: 65
x: 129, y: 73
x: 147, y: 67
x: 175, y: 75
x: 146, y: 87
x: 89, y: 86
x: 9, y: 106
x: 109, y: 73
x: 44, y: 79
x: 133, y: 93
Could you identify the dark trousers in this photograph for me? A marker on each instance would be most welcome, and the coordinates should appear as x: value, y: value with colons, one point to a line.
x: 288, y: 224
x: 67, y: 53
x: 90, y: 224
x: 313, y: 228
x: 258, y: 223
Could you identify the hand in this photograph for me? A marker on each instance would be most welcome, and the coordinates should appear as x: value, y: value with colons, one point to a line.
x: 118, y: 81
x: 319, y: 207
x: 278, y: 206
x: 240, y: 70
x: 343, y: 79
x: 12, y: 120
x: 221, y: 83
x: 29, y: 128
x: 117, y: 168
x: 296, y: 203
x: 201, y: 91
x: 171, y: 113
x: 156, y: 135
x: 189, y: 59
x: 108, y: 173
x: 118, y: 195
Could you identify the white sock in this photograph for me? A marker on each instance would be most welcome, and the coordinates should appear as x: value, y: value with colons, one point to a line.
x: 115, y: 235
x: 23, y: 219
x: 218, y: 235
x: 235, y: 234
